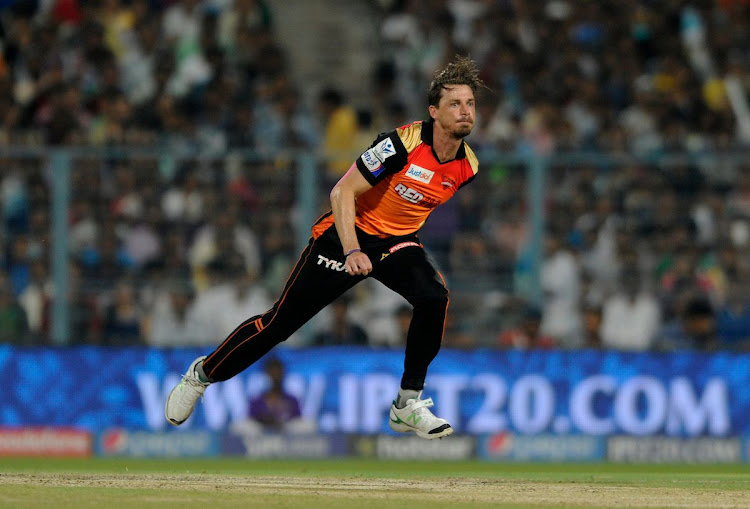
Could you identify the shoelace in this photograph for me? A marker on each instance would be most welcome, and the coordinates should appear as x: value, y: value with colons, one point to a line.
x: 193, y: 381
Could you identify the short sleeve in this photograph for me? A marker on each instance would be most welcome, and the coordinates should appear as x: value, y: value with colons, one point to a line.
x: 386, y: 156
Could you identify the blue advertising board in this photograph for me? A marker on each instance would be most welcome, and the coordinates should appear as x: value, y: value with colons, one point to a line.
x: 158, y: 444
x: 349, y: 390
x: 545, y: 447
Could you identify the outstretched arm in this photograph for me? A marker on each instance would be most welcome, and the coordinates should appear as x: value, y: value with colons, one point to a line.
x: 343, y: 203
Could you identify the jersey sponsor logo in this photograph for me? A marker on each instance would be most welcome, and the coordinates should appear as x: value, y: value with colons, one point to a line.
x: 402, y: 245
x: 398, y: 246
x: 331, y: 264
x: 420, y: 174
x: 409, y: 194
x: 374, y: 158
x: 413, y: 196
x: 448, y: 181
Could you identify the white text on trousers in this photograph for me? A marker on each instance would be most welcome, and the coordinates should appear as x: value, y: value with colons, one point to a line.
x: 331, y: 264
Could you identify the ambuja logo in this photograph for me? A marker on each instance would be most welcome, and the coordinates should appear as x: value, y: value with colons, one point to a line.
x: 371, y: 160
x: 420, y: 174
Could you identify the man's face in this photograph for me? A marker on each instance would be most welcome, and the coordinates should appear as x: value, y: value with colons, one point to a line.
x: 455, y: 113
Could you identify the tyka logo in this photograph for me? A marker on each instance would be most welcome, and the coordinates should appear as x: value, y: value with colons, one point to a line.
x: 331, y: 264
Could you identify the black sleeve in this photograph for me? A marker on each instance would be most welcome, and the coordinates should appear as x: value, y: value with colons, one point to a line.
x: 386, y: 156
x: 467, y: 181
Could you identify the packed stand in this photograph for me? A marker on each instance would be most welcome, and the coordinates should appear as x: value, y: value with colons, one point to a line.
x: 649, y: 255
x: 631, y: 75
x: 161, y: 249
x: 187, y: 73
x: 177, y: 252
x: 165, y: 251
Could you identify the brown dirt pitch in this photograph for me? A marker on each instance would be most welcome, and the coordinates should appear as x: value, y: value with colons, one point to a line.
x: 367, y: 484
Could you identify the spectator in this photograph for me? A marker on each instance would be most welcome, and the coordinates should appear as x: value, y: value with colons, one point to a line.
x: 733, y: 319
x: 470, y: 255
x: 213, y: 292
x: 241, y: 127
x: 278, y: 247
x: 15, y: 202
x: 84, y: 228
x: 592, y: 327
x: 275, y: 410
x: 138, y: 63
x: 527, y: 335
x: 85, y: 318
x: 123, y: 317
x: 226, y: 233
x: 383, y: 315
x: 631, y: 317
x: 13, y: 321
x: 243, y: 14
x: 105, y: 265
x: 39, y: 233
x: 182, y: 25
x: 183, y: 201
x: 561, y: 284
x: 244, y: 297
x: 128, y: 200
x: 174, y: 254
x: 173, y: 321
x: 142, y: 238
x: 341, y: 330
x: 340, y: 126
x: 19, y: 264
x: 694, y: 328
x: 35, y: 299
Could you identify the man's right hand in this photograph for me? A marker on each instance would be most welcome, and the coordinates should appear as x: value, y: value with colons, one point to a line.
x: 358, y: 264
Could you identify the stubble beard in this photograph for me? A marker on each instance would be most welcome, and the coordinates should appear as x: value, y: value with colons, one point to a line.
x: 461, y: 132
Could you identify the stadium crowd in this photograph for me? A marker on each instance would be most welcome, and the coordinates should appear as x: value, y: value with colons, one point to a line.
x: 640, y: 254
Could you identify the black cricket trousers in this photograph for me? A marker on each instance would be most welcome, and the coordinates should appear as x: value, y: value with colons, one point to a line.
x: 319, y: 277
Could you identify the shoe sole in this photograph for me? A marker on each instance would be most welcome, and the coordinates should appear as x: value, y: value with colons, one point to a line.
x: 428, y: 436
x: 405, y: 428
x: 400, y: 428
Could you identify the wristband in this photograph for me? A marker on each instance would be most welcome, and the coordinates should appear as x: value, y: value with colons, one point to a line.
x: 352, y: 251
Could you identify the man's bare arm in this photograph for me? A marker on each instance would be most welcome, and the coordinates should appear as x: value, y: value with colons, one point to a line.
x: 343, y: 203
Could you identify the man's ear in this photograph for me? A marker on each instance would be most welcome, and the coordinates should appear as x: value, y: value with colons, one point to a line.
x: 433, y: 111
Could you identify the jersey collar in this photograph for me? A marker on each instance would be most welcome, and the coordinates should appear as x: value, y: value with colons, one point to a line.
x: 427, y: 126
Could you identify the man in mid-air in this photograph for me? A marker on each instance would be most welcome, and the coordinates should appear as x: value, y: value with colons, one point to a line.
x: 377, y: 207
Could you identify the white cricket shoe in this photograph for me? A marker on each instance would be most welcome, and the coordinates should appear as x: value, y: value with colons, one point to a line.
x: 185, y: 395
x: 416, y: 417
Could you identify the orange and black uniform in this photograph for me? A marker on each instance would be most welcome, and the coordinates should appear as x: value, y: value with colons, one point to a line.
x: 408, y: 183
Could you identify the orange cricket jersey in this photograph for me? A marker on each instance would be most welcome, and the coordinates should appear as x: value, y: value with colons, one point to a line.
x: 408, y: 181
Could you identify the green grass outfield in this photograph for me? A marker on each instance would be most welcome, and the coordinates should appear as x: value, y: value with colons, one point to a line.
x: 354, y: 483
